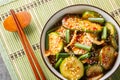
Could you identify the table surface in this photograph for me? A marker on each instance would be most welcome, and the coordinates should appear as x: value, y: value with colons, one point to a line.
x: 4, y: 74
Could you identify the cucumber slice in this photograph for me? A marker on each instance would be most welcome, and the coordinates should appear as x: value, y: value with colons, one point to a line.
x: 94, y: 70
x: 71, y: 68
x: 55, y: 43
x: 111, y: 28
x: 88, y: 26
x: 61, y: 31
x: 47, y: 36
x: 113, y: 42
x: 75, y: 23
x: 88, y: 14
x: 71, y: 22
x: 107, y: 57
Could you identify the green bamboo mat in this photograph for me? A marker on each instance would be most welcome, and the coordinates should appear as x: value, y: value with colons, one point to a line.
x: 40, y: 10
x: 4, y: 2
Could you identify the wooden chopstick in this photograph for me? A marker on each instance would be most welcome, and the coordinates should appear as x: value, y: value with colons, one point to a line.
x: 29, y: 52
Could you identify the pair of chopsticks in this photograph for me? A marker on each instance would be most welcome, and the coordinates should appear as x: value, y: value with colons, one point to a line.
x: 29, y: 52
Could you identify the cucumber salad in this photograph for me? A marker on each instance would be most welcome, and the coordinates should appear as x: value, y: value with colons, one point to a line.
x: 82, y: 46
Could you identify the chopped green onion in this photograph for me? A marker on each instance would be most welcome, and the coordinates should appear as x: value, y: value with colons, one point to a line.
x: 84, y: 56
x: 57, y: 56
x: 58, y: 63
x: 67, y: 37
x: 61, y: 55
x: 104, y: 33
x: 85, y: 47
x: 98, y: 20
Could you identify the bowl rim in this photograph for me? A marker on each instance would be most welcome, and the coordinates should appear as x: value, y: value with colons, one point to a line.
x: 58, y: 12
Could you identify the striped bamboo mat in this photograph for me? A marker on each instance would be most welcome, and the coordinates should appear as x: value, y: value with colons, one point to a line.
x: 40, y: 10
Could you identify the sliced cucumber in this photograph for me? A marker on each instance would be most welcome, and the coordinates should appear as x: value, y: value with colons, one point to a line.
x: 75, y: 23
x: 61, y: 31
x: 113, y: 42
x: 88, y: 26
x: 47, y: 36
x: 71, y: 22
x: 111, y: 28
x: 112, y: 31
x: 107, y: 57
x: 71, y: 68
x: 88, y: 14
x: 94, y: 70
x: 55, y: 43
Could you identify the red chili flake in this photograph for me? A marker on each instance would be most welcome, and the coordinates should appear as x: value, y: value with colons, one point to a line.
x: 108, y: 48
x: 94, y: 28
x: 70, y: 26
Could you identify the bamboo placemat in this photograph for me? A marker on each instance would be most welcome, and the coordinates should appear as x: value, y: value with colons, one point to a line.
x: 40, y: 10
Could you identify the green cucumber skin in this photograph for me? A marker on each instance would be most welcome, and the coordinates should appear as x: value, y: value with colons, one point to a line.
x: 47, y: 42
x: 47, y: 37
x: 111, y: 28
x: 114, y: 43
x: 88, y: 14
x: 107, y: 57
x: 67, y: 65
x: 60, y: 45
x: 94, y: 70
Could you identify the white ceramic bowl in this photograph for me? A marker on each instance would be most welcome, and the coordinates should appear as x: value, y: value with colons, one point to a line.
x: 79, y: 8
